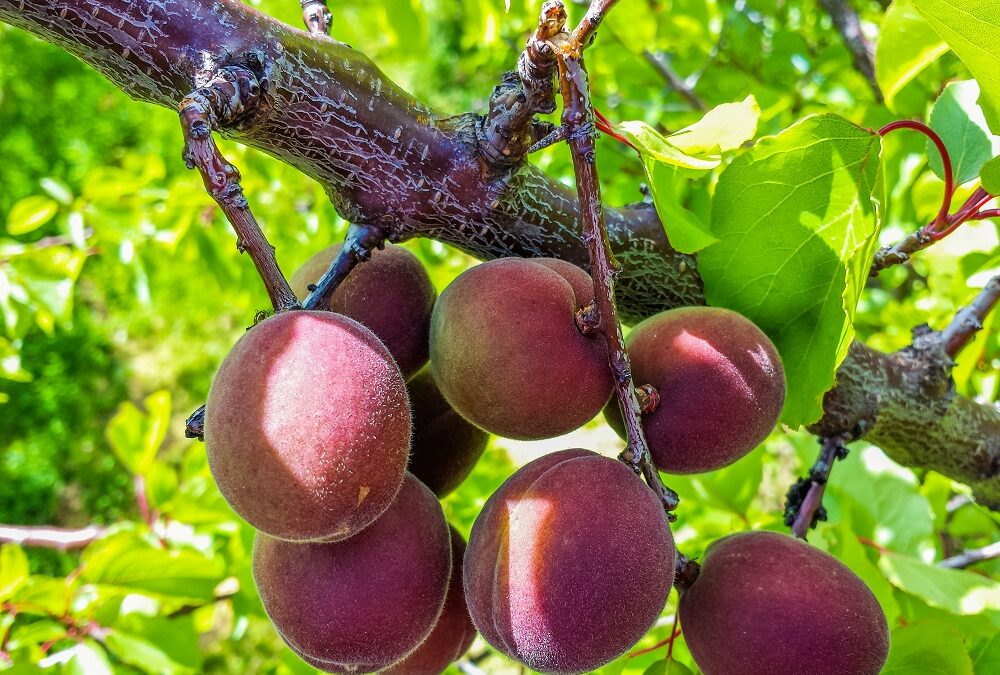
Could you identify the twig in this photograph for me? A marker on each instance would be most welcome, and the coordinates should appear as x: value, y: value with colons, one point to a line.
x: 578, y: 120
x: 583, y: 34
x: 664, y: 70
x: 58, y: 538
x: 359, y: 243
x: 509, y: 130
x: 230, y: 96
x: 969, y: 320
x: 972, y: 556
x: 848, y: 24
x: 804, y: 502
x: 316, y: 16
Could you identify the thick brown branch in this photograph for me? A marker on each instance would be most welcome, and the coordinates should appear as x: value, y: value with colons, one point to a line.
x: 387, y: 160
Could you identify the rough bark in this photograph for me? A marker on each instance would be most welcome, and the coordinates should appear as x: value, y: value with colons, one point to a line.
x: 386, y: 160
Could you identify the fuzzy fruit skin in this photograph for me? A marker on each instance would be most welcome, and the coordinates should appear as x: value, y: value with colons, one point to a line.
x: 391, y: 294
x: 364, y: 603
x: 507, y: 354
x: 452, y: 635
x: 765, y: 603
x: 721, y: 386
x: 569, y: 564
x: 307, y: 427
x: 446, y: 447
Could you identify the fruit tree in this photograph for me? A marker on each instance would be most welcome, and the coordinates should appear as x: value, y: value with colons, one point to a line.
x: 643, y: 336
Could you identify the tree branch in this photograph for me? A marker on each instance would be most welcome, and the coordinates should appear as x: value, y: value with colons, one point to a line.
x: 58, y: 538
x: 848, y: 24
x: 578, y: 122
x: 387, y: 160
x: 804, y: 503
x: 969, y: 320
x: 663, y: 69
x: 972, y: 556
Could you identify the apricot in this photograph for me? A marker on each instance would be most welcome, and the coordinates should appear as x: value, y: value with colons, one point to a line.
x: 364, y: 603
x: 452, y: 635
x: 720, y: 381
x: 569, y: 564
x: 765, y: 603
x: 391, y: 294
x: 506, y: 352
x: 445, y: 446
x: 307, y: 427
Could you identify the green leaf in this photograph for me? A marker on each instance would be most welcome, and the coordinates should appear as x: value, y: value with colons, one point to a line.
x: 654, y: 146
x: 135, y: 436
x: 957, y: 591
x: 125, y: 560
x: 959, y: 121
x: 887, y: 502
x: 699, y: 146
x: 140, y: 653
x: 723, y: 129
x: 927, y: 648
x: 686, y: 231
x: 986, y: 657
x: 906, y: 45
x: 667, y: 666
x: 990, y: 176
x: 13, y: 570
x: 972, y: 29
x: 30, y: 213
x: 798, y: 218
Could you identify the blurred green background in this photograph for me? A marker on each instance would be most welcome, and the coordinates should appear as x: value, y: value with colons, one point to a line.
x: 121, y: 290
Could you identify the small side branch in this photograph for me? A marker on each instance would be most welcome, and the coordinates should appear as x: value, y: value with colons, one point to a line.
x: 972, y: 556
x: 578, y: 120
x: 316, y: 16
x: 969, y: 320
x: 848, y: 24
x: 509, y: 130
x: 359, y: 243
x: 58, y: 538
x: 230, y: 96
x: 663, y: 69
x: 804, y: 502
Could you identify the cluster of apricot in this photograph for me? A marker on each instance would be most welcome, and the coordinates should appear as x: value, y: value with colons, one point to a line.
x: 328, y: 433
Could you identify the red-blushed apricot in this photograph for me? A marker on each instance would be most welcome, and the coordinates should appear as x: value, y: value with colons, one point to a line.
x: 569, y: 564
x: 452, y: 635
x: 583, y: 285
x: 507, y: 354
x: 364, y: 603
x: 720, y: 381
x: 391, y: 294
x: 307, y: 426
x: 445, y: 446
x: 765, y: 603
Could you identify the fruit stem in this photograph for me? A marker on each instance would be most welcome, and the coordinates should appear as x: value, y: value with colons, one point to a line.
x: 578, y: 120
x: 804, y: 511
x: 949, y: 177
x: 359, y: 243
